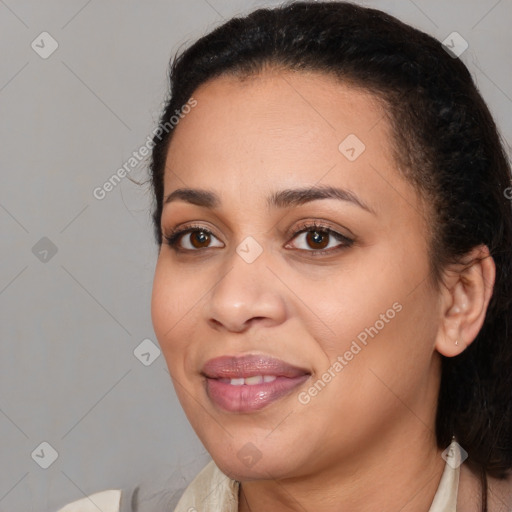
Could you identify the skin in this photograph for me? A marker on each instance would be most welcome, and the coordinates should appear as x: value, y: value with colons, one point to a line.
x: 372, y: 425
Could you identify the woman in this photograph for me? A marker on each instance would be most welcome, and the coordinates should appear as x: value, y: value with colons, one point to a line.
x: 333, y: 288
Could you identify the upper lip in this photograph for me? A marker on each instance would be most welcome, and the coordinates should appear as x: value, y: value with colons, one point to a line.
x: 235, y: 367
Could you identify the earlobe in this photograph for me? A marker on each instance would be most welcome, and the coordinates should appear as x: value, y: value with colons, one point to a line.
x: 465, y: 295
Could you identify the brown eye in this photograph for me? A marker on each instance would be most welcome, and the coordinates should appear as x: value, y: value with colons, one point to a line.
x: 199, y: 239
x: 317, y: 239
x: 191, y: 239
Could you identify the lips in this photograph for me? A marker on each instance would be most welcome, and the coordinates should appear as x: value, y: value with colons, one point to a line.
x: 231, y: 367
x: 249, y: 383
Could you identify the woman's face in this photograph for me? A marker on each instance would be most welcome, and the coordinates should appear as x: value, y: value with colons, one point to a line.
x: 333, y: 330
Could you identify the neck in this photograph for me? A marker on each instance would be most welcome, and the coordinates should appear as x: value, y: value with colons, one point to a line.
x: 403, y: 475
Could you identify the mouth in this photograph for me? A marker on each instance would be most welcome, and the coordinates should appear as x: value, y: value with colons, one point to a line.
x: 250, y: 383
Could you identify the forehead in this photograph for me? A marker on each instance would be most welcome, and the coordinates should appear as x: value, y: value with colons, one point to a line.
x: 259, y: 112
x: 283, y: 129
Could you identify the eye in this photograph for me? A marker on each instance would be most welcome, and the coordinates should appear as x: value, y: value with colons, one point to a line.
x: 318, y: 239
x: 194, y: 238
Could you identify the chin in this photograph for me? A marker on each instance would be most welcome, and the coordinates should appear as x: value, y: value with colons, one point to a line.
x: 249, y: 463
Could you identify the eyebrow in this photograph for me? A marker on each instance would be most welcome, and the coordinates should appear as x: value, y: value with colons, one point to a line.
x: 280, y: 199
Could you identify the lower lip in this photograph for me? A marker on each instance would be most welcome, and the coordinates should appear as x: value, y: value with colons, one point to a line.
x: 250, y: 398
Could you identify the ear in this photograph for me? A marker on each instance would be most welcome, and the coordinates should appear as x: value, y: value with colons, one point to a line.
x: 465, y: 294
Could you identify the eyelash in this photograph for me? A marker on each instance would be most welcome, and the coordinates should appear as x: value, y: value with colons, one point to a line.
x: 172, y: 238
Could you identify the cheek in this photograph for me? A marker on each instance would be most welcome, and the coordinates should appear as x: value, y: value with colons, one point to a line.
x: 354, y: 302
x: 394, y: 352
x: 379, y: 313
x: 169, y: 308
x: 384, y: 368
x: 170, y: 305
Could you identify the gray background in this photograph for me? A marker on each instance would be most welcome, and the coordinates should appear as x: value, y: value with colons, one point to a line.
x: 70, y: 321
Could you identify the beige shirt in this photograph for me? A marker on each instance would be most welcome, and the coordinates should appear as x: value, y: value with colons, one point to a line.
x: 212, y: 491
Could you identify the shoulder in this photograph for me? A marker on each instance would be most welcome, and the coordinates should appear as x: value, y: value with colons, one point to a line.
x: 106, y: 501
x: 159, y: 490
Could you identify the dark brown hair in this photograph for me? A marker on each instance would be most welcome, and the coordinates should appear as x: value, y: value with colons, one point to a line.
x: 446, y: 144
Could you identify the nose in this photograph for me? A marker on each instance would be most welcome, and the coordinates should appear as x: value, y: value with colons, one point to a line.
x: 247, y: 293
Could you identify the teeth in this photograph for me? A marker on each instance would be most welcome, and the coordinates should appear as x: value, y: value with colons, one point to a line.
x: 257, y: 379
x: 251, y: 381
